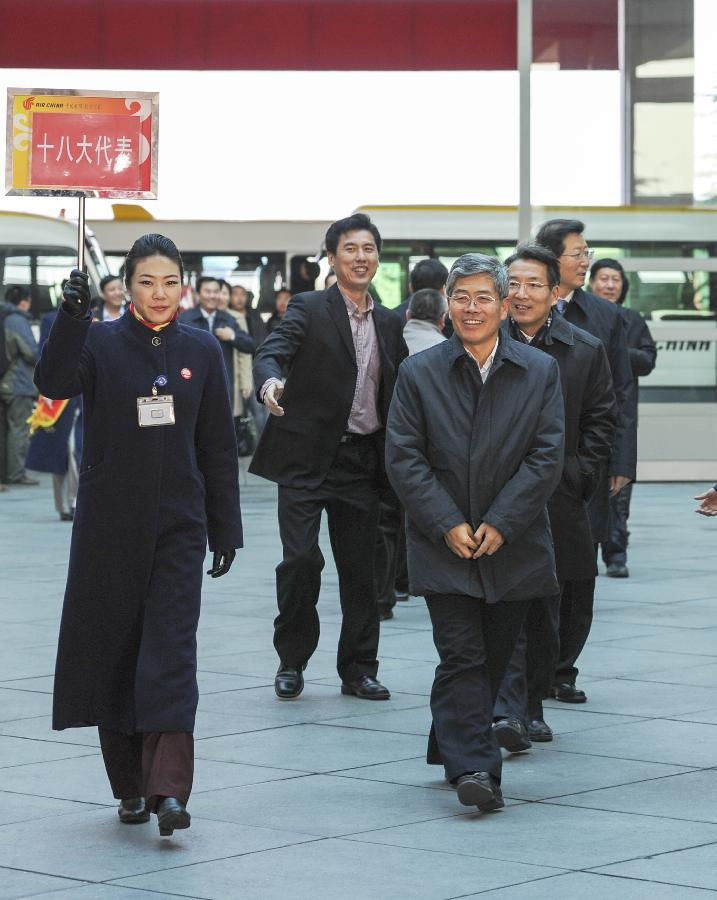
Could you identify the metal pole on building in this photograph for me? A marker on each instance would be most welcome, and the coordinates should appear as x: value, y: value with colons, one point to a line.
x: 525, y: 59
x: 81, y: 235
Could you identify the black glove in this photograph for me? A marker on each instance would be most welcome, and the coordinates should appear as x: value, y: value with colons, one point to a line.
x: 76, y: 294
x: 223, y: 560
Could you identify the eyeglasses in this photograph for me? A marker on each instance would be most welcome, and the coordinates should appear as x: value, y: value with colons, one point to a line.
x: 580, y: 254
x: 464, y: 299
x: 531, y: 287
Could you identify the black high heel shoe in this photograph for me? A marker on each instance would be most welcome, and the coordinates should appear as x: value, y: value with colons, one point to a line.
x: 172, y: 814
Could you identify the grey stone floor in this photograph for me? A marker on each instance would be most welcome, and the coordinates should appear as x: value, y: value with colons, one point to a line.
x: 329, y: 796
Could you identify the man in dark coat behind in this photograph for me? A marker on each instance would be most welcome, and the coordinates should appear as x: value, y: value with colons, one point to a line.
x: 608, y: 280
x: 564, y: 237
x: 324, y: 445
x: 218, y: 322
x: 590, y: 419
x: 474, y: 449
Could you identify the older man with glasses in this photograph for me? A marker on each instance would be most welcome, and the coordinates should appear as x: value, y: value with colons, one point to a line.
x: 474, y: 449
x: 604, y: 321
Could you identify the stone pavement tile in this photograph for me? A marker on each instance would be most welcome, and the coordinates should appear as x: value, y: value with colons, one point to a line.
x: 41, y: 684
x: 671, y: 591
x: 27, y: 663
x: 404, y: 721
x: 538, y: 833
x: 20, y: 751
x: 14, y: 884
x: 326, y: 805
x: 655, y: 740
x: 708, y: 716
x: 413, y: 771
x: 105, y: 892
x: 415, y: 645
x: 317, y: 703
x: 612, y: 661
x: 211, y: 775
x: 602, y: 630
x: 331, y: 869
x: 22, y: 635
x: 538, y: 776
x: 701, y: 675
x: 565, y: 718
x: 695, y: 867
x: 22, y: 705
x: 23, y: 807
x: 689, y: 796
x: 40, y: 729
x: 692, y: 614
x: 588, y: 885
x: 216, y: 682
x: 213, y: 724
x: 111, y: 850
x: 640, y: 698
x: 311, y: 748
x: 701, y: 643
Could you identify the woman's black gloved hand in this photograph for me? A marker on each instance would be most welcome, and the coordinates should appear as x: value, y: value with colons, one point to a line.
x: 223, y: 560
x: 76, y: 294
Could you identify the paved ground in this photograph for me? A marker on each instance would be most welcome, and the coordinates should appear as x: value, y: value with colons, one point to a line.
x: 329, y: 796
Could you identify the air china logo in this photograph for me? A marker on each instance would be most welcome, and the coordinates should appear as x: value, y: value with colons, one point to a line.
x: 27, y: 102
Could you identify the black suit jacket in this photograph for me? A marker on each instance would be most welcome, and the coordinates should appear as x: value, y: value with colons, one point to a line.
x: 314, y: 345
x: 642, y: 348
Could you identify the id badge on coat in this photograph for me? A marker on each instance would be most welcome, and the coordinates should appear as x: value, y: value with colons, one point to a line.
x: 155, y: 410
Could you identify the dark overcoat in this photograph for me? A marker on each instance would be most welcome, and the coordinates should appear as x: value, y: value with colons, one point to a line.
x: 460, y: 452
x: 315, y: 346
x: 590, y: 422
x: 49, y: 447
x: 641, y: 346
x: 148, y: 498
x: 606, y: 322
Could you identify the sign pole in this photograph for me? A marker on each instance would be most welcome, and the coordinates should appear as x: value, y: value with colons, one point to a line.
x: 525, y: 58
x: 81, y: 235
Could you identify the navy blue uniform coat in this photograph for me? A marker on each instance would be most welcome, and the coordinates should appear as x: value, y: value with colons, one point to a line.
x: 148, y: 497
x: 450, y: 462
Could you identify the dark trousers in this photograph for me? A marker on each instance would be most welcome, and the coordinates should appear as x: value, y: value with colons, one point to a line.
x: 14, y: 436
x: 350, y: 495
x: 152, y: 765
x: 614, y: 549
x: 529, y: 676
x: 576, y: 618
x: 390, y: 521
x: 402, y: 560
x: 474, y: 641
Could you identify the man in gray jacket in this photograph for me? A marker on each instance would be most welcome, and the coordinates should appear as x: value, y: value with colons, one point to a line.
x: 474, y: 449
x: 17, y: 390
x: 425, y: 318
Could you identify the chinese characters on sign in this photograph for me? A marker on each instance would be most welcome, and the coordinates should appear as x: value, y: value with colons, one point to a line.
x: 92, y: 144
x: 88, y: 151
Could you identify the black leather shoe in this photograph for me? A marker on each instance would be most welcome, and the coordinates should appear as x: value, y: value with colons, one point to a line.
x: 401, y: 596
x: 617, y: 570
x: 172, y: 814
x: 480, y: 789
x: 511, y: 735
x: 132, y: 811
x: 289, y: 682
x: 367, y: 688
x: 540, y: 732
x: 384, y: 612
x: 568, y: 693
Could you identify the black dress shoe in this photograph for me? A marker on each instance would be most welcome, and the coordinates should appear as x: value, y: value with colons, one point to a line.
x: 289, y: 682
x: 172, y: 814
x: 367, y: 688
x: 617, y: 570
x: 568, y: 693
x: 401, y: 596
x: 67, y: 516
x: 511, y: 735
x: 132, y: 811
x: 480, y: 789
x: 384, y: 612
x: 540, y: 732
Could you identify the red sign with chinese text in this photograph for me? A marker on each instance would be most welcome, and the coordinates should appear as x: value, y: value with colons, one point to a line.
x: 101, y: 152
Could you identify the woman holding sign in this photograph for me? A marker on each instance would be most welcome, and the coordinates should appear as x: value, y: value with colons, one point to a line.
x: 158, y: 476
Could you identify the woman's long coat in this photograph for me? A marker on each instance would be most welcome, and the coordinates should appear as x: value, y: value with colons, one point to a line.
x: 148, y: 498
x: 461, y: 451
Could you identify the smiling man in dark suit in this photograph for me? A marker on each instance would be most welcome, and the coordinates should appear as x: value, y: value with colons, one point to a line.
x: 324, y: 446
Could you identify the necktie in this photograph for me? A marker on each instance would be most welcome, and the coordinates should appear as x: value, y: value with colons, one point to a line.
x: 561, y: 304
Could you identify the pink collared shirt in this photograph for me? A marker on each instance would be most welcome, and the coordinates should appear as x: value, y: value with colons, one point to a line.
x: 364, y: 417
